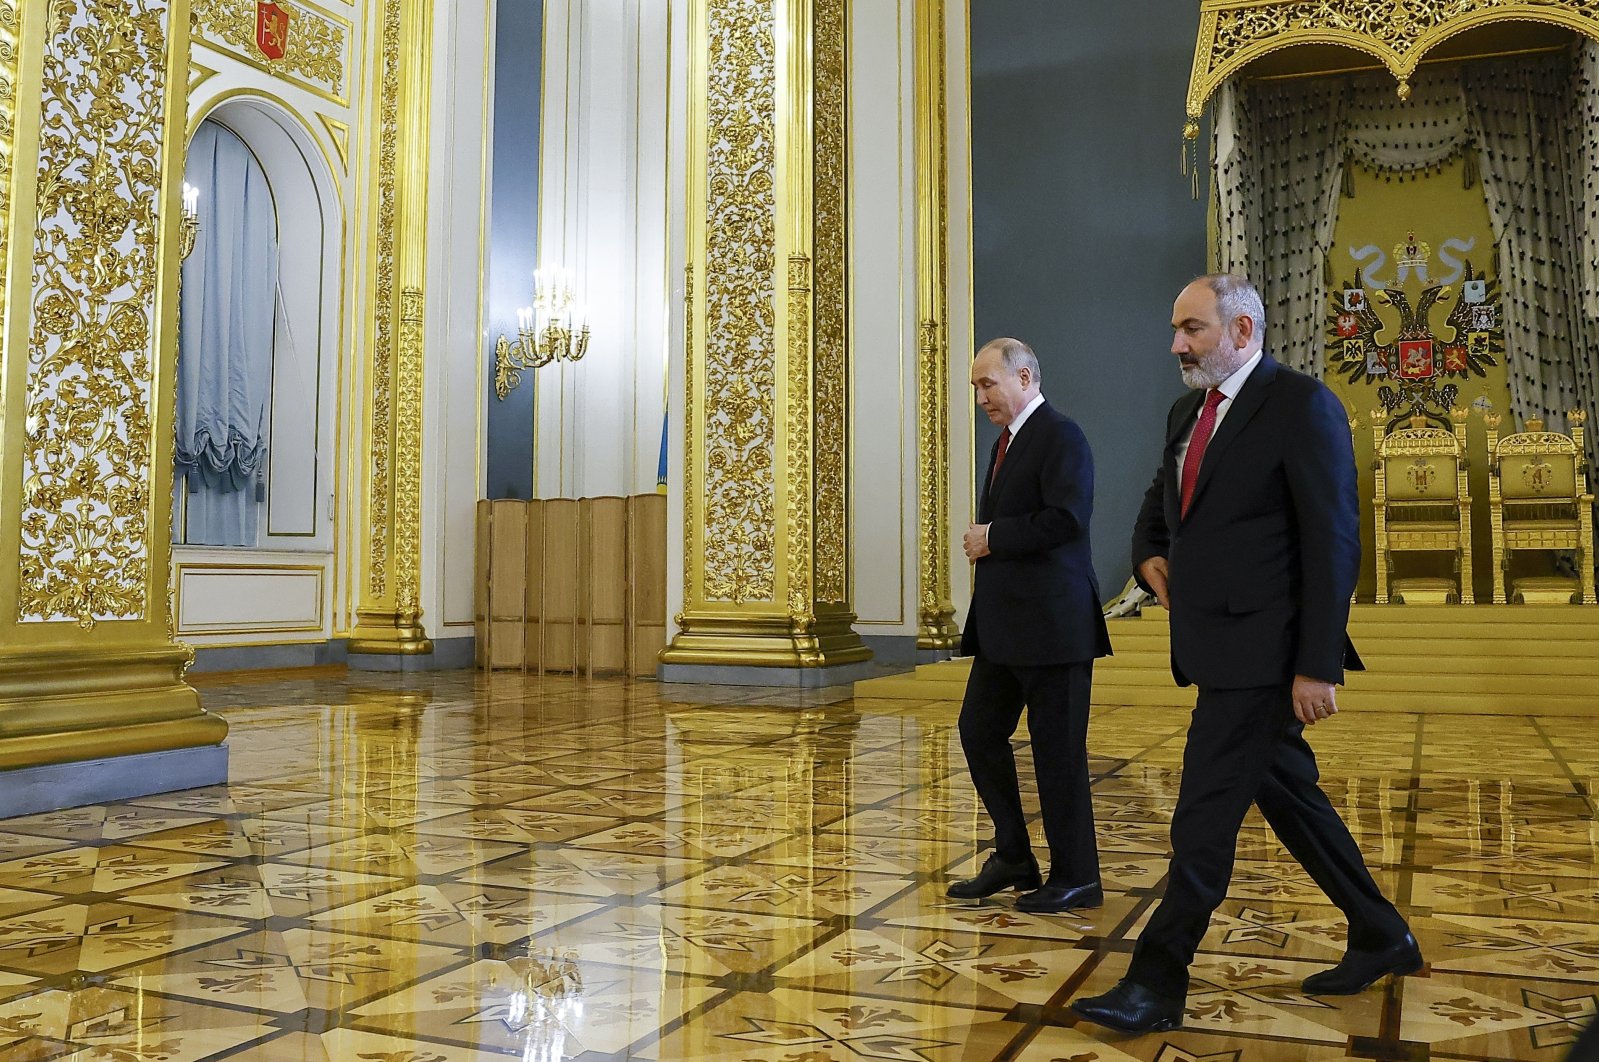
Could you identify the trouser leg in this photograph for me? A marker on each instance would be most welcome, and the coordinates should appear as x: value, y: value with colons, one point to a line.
x: 1231, y: 744
x: 1057, y: 721
x: 989, y: 715
x: 1309, y: 827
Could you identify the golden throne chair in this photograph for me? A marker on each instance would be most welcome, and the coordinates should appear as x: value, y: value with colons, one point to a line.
x: 1538, y: 500
x: 1422, y: 504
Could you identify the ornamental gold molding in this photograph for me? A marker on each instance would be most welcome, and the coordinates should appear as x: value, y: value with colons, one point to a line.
x: 1398, y: 33
x: 389, y: 608
x: 936, y: 627
x: 318, y: 52
x: 408, y: 461
x: 830, y: 374
x: 10, y: 43
x: 87, y: 454
x: 766, y: 291
x: 740, y: 357
x: 381, y: 428
x: 89, y: 161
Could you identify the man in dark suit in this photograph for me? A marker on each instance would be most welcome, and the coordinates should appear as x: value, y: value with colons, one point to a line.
x: 1250, y: 537
x: 1035, y: 628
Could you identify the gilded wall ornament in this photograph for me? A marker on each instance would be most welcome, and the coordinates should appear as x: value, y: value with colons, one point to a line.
x: 801, y: 519
x: 408, y: 460
x: 740, y: 303
x: 87, y: 449
x: 1234, y: 33
x: 936, y: 628
x: 388, y: 134
x: 830, y: 441
x: 316, y: 48
x: 10, y: 27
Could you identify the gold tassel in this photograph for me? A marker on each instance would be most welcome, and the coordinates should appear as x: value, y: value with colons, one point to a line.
x: 1470, y: 174
x: 1349, y: 175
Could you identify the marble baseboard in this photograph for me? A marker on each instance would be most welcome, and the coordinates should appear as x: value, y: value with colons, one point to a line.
x: 55, y: 786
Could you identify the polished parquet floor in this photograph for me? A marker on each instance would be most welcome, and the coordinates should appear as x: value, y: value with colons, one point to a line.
x: 433, y: 868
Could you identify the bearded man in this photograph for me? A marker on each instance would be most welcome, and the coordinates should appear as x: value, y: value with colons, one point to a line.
x: 1250, y: 537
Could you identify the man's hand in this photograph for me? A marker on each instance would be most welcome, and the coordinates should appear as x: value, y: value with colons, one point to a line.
x: 1314, y: 700
x: 976, y: 542
x: 1157, y: 575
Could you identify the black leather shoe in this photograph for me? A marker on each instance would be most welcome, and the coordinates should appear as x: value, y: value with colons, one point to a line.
x: 1053, y: 899
x: 1131, y: 1008
x: 1359, y: 970
x: 996, y: 876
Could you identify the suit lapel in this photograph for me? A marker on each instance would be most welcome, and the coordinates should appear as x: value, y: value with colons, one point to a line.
x: 1188, y: 407
x: 1239, y: 414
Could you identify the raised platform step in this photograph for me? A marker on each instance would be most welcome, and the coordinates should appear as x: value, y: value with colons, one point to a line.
x: 1483, y: 659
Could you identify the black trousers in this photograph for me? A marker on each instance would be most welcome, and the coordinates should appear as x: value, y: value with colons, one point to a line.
x: 1247, y: 747
x: 1057, y: 701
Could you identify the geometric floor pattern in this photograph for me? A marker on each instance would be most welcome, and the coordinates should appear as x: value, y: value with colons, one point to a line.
x: 452, y: 866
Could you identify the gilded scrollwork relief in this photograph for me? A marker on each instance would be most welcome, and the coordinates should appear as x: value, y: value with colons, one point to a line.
x: 830, y: 443
x: 10, y: 27
x: 379, y: 513
x: 936, y: 627
x: 740, y: 303
x: 87, y: 457
x: 800, y: 574
x: 1234, y: 32
x: 318, y: 44
x: 408, y: 459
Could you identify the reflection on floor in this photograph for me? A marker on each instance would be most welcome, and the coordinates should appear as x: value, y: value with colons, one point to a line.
x: 425, y: 869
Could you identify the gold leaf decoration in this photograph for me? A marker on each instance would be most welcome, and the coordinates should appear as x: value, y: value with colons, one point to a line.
x: 740, y: 296
x: 408, y: 460
x: 87, y: 449
x: 830, y: 441
x: 388, y: 132
x: 318, y: 45
x: 1233, y: 33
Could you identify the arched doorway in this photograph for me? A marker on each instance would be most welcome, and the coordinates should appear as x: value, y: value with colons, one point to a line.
x: 258, y: 368
x: 257, y: 336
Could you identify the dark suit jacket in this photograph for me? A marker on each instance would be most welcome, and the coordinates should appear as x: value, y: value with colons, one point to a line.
x: 1263, y: 567
x: 1035, y: 601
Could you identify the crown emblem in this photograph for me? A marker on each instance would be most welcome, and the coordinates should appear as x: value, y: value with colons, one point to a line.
x: 1413, y: 253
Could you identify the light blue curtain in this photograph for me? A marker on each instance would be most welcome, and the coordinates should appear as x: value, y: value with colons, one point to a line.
x: 229, y: 317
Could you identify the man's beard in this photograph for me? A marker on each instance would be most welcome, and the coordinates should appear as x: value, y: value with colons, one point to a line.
x: 1214, y: 368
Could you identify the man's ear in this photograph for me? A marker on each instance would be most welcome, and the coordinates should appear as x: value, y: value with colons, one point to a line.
x: 1244, y: 331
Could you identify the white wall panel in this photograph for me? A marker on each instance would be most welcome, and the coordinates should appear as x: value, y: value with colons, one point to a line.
x: 453, y: 423
x: 603, y: 217
x: 285, y: 595
x: 883, y: 316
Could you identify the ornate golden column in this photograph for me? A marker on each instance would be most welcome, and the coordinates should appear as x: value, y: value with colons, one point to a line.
x: 91, y: 161
x: 389, y: 607
x: 766, y: 470
x: 936, y: 627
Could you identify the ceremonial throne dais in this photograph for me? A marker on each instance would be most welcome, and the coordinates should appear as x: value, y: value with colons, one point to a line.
x: 1538, y: 500
x: 1422, y: 504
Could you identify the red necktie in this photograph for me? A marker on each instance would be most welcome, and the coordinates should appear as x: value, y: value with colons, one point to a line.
x: 1196, y: 446
x: 999, y: 458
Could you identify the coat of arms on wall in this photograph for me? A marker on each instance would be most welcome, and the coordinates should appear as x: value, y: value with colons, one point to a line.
x: 271, y: 29
x: 1380, y: 337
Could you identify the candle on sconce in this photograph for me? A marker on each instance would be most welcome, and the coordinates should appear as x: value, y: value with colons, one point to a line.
x: 191, y: 200
x: 524, y: 318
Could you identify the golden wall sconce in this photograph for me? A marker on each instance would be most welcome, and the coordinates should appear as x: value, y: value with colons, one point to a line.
x: 189, y: 227
x: 549, y: 331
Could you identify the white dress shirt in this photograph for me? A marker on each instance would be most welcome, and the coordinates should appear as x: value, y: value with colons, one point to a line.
x: 1021, y: 418
x: 1229, y: 389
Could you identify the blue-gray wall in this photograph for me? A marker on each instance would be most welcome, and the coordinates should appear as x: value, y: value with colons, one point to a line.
x: 1085, y: 228
x: 513, y: 231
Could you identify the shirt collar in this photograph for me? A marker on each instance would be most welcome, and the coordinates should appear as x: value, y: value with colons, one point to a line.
x: 1235, y: 383
x: 1027, y: 411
